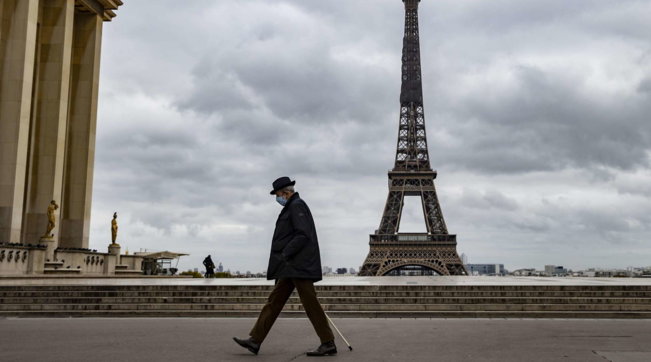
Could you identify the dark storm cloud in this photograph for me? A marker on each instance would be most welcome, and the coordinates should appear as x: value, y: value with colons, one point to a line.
x: 548, y: 122
x: 537, y: 121
x: 488, y: 200
x: 541, y: 87
x: 303, y: 84
x: 645, y: 86
x: 548, y: 119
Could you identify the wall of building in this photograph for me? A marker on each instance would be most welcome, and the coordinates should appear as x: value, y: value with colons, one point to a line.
x: 49, y: 82
x: 133, y: 262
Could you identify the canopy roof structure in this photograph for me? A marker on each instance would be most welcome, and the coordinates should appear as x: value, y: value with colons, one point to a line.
x: 160, y: 254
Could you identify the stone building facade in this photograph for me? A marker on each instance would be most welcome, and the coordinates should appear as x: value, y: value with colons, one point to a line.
x: 49, y: 78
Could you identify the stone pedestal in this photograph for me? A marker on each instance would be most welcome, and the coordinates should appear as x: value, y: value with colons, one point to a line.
x: 36, y: 261
x: 109, y: 264
x: 51, y: 246
x: 114, y: 249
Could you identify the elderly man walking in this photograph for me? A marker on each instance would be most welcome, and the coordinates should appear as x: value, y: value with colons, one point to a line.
x: 295, y: 262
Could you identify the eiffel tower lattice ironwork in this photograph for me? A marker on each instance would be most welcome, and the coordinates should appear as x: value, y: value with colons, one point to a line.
x: 435, y: 250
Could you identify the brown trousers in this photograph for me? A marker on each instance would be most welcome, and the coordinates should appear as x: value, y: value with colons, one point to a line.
x: 276, y: 302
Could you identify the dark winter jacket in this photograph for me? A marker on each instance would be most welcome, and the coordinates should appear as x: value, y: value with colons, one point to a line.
x: 294, y: 247
x: 207, y: 262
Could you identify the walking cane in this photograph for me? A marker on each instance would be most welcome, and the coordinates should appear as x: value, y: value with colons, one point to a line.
x: 337, y: 329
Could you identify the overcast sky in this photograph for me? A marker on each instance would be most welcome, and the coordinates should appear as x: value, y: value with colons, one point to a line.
x: 537, y: 112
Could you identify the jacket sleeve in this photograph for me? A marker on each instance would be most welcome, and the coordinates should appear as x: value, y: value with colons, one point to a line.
x: 302, y: 223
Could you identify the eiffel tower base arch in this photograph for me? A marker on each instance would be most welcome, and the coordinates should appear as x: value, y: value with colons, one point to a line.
x: 435, y: 252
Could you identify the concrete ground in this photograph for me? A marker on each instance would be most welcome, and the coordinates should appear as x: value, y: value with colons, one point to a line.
x: 328, y: 280
x: 209, y: 339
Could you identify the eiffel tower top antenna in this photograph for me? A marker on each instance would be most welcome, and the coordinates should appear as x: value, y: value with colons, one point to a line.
x: 411, y: 151
x: 412, y: 88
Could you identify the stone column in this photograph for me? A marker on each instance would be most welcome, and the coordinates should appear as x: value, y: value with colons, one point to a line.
x: 18, y: 28
x: 80, y: 149
x: 45, y: 172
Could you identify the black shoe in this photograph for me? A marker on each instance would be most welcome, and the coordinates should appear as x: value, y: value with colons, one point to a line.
x: 249, y: 344
x: 325, y: 349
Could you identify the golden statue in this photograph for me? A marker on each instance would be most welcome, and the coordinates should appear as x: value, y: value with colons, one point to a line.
x: 114, y: 227
x: 51, y: 219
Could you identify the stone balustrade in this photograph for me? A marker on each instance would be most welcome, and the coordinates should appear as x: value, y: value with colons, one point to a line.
x: 19, y: 259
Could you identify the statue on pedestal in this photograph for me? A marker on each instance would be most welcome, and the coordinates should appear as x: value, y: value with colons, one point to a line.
x: 114, y: 227
x: 51, y: 219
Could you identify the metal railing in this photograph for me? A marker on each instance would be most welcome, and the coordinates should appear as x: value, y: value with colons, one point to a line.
x: 414, y: 238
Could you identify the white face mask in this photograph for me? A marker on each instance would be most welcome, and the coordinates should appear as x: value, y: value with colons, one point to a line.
x: 281, y: 200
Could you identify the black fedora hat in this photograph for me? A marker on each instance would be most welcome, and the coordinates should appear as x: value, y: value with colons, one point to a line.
x: 280, y: 183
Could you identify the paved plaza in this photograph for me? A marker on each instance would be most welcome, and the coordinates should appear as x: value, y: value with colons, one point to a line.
x: 406, y: 339
x: 209, y: 339
x: 332, y: 280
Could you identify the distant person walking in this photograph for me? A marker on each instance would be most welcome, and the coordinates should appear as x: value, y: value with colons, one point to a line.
x: 210, y: 267
x: 294, y: 262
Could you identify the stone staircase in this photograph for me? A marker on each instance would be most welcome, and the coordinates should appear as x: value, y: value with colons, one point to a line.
x: 56, y: 267
x: 361, y: 301
x: 123, y: 270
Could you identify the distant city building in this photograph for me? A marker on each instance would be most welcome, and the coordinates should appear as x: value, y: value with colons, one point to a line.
x: 326, y: 269
x: 352, y: 271
x: 525, y: 272
x: 555, y: 270
x: 464, y: 258
x: 220, y: 268
x: 486, y: 269
x: 613, y: 273
x: 560, y: 271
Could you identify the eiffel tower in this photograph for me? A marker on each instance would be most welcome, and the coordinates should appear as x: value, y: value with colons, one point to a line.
x: 392, y: 252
